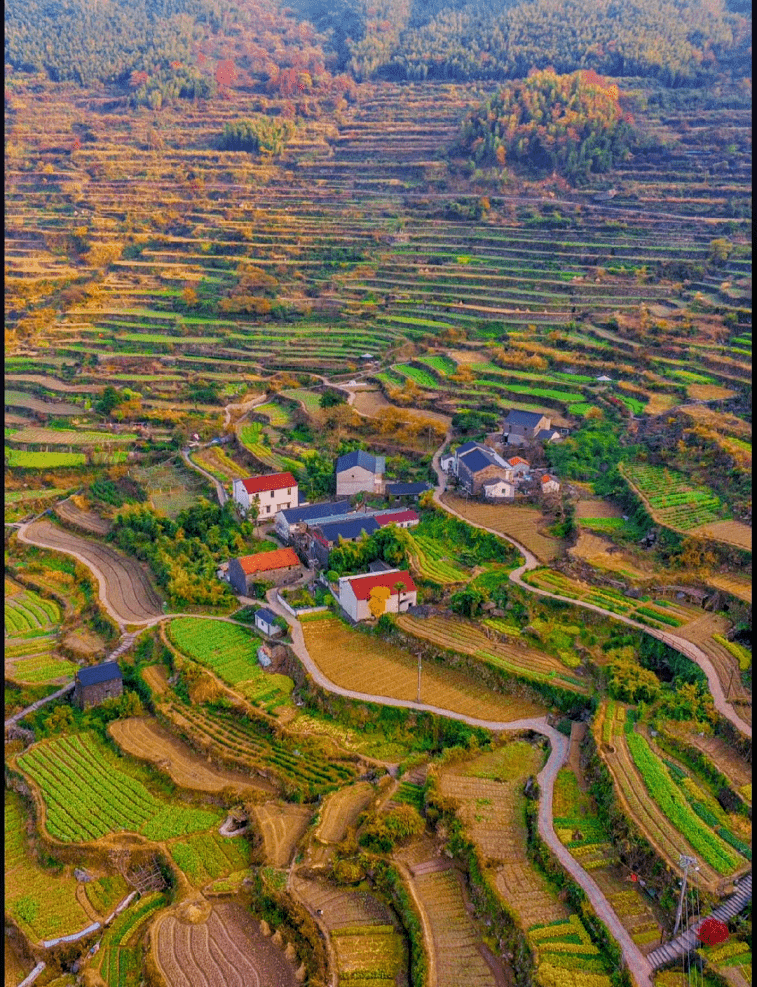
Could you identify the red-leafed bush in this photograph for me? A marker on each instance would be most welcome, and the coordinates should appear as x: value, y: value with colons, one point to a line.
x: 712, y: 932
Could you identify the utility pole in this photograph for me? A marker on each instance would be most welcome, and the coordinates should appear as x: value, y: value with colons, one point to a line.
x: 419, y: 680
x: 685, y: 862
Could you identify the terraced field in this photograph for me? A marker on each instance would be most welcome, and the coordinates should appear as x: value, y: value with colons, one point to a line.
x: 467, y: 637
x: 282, y: 826
x: 521, y: 523
x: 333, y: 645
x: 128, y: 591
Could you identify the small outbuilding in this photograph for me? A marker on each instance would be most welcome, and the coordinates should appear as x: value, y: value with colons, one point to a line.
x: 265, y: 621
x: 97, y: 683
x: 279, y: 566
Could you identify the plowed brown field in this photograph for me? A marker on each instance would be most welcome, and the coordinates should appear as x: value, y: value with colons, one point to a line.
x: 128, y: 591
x: 144, y: 737
x: 226, y: 950
x: 731, y: 532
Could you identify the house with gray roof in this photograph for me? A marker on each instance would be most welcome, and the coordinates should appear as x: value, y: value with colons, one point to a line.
x: 522, y: 427
x: 326, y: 536
x: 97, y: 683
x: 479, y: 465
x: 296, y: 519
x: 359, y: 471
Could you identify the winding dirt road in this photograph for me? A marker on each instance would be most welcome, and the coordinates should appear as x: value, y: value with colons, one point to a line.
x: 686, y: 648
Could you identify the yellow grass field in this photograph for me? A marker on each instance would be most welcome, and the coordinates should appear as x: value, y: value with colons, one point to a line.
x: 373, y: 404
x: 521, y: 523
x: 709, y: 392
x: 145, y: 738
x: 596, y: 507
x: 359, y: 662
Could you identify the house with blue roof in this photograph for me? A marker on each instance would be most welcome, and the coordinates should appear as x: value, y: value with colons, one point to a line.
x: 295, y: 520
x: 97, y: 683
x: 481, y: 465
x: 360, y: 471
x: 326, y: 536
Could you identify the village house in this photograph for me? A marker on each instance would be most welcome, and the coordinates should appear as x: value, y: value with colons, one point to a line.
x: 295, y: 520
x: 522, y: 427
x: 360, y: 471
x: 409, y: 491
x: 97, y: 683
x: 324, y: 537
x: 275, y: 492
x: 478, y: 466
x: 549, y: 484
x: 498, y: 489
x: 279, y: 566
x: 403, y: 519
x: 520, y: 467
x: 265, y: 621
x: 395, y: 587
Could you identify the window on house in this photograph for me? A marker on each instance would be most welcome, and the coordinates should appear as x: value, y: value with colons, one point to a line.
x: 289, y: 490
x: 268, y: 509
x: 272, y: 492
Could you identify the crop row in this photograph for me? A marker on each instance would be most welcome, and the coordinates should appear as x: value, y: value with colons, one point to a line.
x: 87, y: 797
x: 669, y: 798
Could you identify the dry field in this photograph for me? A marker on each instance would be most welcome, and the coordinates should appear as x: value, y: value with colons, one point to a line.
x: 709, y: 392
x: 128, y: 590
x: 225, y: 950
x: 723, y: 756
x: 88, y: 521
x: 521, y: 523
x: 731, y: 532
x: 700, y: 632
x: 354, y: 661
x: 599, y: 552
x: 145, y: 738
x: 596, y: 507
x: 15, y: 968
x: 282, y: 826
x: 341, y: 809
x: 740, y: 586
x: 373, y: 404
x: 341, y: 908
x: 467, y: 637
x: 459, y: 959
x: 155, y: 677
x: 489, y: 794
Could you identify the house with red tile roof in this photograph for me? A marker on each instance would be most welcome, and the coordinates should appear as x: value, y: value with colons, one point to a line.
x: 275, y: 492
x: 549, y: 484
x: 403, y: 519
x: 391, y: 591
x: 279, y: 566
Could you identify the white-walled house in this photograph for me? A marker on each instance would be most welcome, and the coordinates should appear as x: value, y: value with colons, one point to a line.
x: 355, y: 592
x: 498, y: 489
x: 265, y: 621
x: 275, y: 492
x: 549, y: 484
x: 360, y: 471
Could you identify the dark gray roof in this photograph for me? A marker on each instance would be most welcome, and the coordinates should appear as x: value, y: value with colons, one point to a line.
x: 348, y: 529
x: 265, y: 614
x: 477, y: 459
x: 406, y: 489
x: 545, y: 433
x: 99, y: 673
x: 466, y: 447
x: 528, y: 418
x: 296, y: 514
x: 359, y: 457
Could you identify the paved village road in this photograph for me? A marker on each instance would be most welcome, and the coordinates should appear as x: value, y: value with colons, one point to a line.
x: 686, y: 648
x: 637, y: 963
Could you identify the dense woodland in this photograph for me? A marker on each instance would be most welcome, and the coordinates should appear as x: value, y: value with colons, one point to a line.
x: 163, y: 49
x: 572, y: 124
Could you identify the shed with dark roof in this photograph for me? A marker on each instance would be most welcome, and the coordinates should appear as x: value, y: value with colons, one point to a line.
x: 97, y: 683
x: 358, y: 471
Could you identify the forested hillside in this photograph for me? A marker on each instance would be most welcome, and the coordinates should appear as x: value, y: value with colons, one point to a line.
x: 194, y: 47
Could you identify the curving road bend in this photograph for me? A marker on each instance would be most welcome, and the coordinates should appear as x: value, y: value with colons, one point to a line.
x: 686, y: 648
x: 635, y: 959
